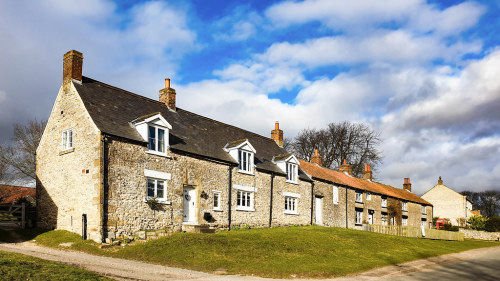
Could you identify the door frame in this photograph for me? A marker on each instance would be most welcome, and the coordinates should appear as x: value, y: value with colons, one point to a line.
x: 191, y: 191
x: 316, y: 209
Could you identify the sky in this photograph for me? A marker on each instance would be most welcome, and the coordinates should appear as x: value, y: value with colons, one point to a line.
x: 425, y: 74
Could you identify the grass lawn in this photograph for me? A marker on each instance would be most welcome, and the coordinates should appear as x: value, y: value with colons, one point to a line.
x: 309, y: 251
x: 20, y: 267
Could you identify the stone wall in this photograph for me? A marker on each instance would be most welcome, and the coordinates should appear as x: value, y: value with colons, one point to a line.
x: 333, y: 214
x: 447, y: 203
x: 69, y: 182
x: 480, y: 235
x: 129, y: 213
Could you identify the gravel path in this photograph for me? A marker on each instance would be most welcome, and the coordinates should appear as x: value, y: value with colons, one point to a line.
x: 121, y: 269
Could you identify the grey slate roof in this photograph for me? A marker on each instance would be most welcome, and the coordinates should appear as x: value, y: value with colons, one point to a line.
x: 112, y: 109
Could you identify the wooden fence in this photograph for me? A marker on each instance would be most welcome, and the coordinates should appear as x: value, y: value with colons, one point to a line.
x: 16, y: 216
x: 416, y: 232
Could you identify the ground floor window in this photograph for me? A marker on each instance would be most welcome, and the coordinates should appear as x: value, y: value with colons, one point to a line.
x: 370, y: 216
x: 217, y: 199
x: 156, y: 189
x: 290, y: 205
x: 384, y: 219
x: 244, y: 200
x: 393, y: 221
x: 359, y: 216
x: 404, y: 221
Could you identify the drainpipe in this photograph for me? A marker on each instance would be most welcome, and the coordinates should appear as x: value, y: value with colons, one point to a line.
x: 230, y: 172
x: 346, y: 216
x: 271, y: 203
x: 104, y: 190
x: 312, y: 202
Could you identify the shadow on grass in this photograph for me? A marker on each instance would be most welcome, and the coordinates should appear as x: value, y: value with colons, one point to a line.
x: 20, y: 235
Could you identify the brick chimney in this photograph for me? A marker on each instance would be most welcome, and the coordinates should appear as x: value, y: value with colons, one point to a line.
x: 277, y: 134
x: 440, y: 181
x: 167, y: 95
x: 316, y: 158
x: 407, y: 184
x: 346, y: 168
x: 72, y: 67
x: 367, y: 174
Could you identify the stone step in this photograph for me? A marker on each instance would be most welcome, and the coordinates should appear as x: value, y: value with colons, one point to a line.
x: 202, y: 228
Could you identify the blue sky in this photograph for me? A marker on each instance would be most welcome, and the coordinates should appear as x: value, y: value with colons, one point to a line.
x: 423, y: 73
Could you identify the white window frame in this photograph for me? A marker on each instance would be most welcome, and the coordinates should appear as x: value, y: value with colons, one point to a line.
x: 404, y: 221
x: 244, y: 200
x: 67, y: 139
x: 359, y: 197
x: 404, y: 206
x: 424, y: 212
x: 384, y: 219
x: 292, y: 171
x: 393, y: 221
x: 245, y: 167
x: 157, y: 140
x: 291, y: 205
x: 368, y: 196
x: 156, y: 181
x: 158, y: 176
x: 216, y: 196
x: 370, y: 218
x: 335, y: 193
x: 384, y: 202
x: 359, y: 217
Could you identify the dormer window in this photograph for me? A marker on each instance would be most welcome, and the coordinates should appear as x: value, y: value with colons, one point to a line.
x: 291, y: 172
x: 154, y: 129
x: 289, y: 164
x: 156, y: 139
x: 242, y: 152
x: 245, y: 161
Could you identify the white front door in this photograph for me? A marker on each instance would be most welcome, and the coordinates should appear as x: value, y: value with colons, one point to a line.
x: 319, y: 210
x: 189, y: 204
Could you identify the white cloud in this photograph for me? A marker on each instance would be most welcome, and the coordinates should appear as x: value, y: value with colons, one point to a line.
x: 239, y: 25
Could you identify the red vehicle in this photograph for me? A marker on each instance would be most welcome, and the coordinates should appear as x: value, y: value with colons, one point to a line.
x: 440, y: 223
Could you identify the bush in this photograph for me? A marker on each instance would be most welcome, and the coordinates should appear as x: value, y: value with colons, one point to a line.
x: 492, y: 224
x: 477, y: 222
x: 449, y: 227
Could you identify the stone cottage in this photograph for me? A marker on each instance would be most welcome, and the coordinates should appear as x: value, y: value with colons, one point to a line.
x: 449, y: 204
x: 350, y: 202
x: 111, y: 162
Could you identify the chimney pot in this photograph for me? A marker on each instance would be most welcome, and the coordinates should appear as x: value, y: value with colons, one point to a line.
x: 440, y: 181
x: 316, y: 158
x: 345, y: 168
x: 367, y: 174
x: 167, y: 95
x: 277, y: 134
x: 345, y: 161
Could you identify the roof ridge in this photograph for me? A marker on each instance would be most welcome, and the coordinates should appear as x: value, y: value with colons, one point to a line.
x: 177, y: 108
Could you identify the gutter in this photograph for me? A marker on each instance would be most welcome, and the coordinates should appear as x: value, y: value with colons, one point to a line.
x: 312, y: 202
x: 104, y: 187
x: 229, y: 200
x: 346, y: 213
x: 271, y: 202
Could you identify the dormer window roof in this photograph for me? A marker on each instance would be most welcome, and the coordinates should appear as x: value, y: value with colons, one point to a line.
x: 289, y: 164
x: 242, y: 152
x: 154, y: 129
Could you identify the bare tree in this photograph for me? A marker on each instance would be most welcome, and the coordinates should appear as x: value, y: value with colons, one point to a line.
x: 19, y: 155
x: 488, y: 202
x: 3, y: 172
x: 356, y: 142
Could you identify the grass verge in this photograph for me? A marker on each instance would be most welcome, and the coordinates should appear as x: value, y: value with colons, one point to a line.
x: 20, y: 267
x: 307, y: 252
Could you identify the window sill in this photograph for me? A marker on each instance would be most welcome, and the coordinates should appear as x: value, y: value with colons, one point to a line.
x: 245, y: 209
x: 359, y: 202
x: 66, y: 151
x: 405, y: 211
x: 358, y: 224
x: 164, y: 202
x: 218, y: 210
x: 291, y: 213
x: 158, y: 153
x: 293, y: 182
x: 246, y: 172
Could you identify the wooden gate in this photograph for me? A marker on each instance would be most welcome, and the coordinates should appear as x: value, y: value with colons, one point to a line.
x: 13, y: 216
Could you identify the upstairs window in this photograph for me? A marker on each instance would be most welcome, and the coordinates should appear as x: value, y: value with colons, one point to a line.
x: 368, y: 196
x: 67, y: 139
x: 384, y: 202
x: 404, y: 206
x: 291, y: 172
x: 156, y: 139
x: 245, y: 161
x: 423, y: 210
x: 359, y: 197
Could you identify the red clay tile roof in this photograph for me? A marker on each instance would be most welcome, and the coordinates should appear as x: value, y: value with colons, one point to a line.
x: 10, y: 194
x: 323, y: 173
